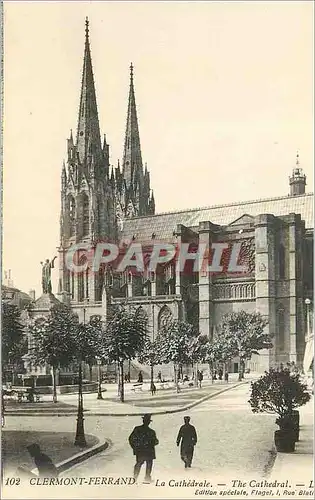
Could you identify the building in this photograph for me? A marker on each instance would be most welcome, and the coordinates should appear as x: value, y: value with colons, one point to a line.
x: 12, y: 295
x: 100, y: 203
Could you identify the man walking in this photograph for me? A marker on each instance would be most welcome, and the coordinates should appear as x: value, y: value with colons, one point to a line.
x: 143, y: 441
x: 187, y: 435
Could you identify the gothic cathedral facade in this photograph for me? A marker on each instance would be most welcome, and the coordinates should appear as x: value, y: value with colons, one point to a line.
x: 103, y: 203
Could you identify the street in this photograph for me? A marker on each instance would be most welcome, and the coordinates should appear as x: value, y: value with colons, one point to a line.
x: 233, y: 443
x: 230, y: 438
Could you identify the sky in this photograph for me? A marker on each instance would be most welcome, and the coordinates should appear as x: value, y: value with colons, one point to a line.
x: 224, y: 94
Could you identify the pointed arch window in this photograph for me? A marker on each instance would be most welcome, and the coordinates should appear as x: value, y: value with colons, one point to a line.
x: 71, y: 202
x: 72, y: 286
x: 281, y: 253
x: 87, y: 283
x: 165, y: 315
x: 82, y: 278
x: 281, y: 328
x: 85, y: 204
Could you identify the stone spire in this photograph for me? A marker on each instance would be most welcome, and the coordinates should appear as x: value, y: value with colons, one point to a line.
x: 132, y: 169
x: 88, y: 133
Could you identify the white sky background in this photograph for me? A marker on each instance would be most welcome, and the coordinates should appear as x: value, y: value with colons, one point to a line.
x: 224, y: 93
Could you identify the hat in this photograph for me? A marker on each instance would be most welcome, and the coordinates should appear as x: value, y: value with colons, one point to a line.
x: 147, y: 418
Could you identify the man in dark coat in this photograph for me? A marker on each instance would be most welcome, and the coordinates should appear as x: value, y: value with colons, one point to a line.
x: 143, y: 441
x: 43, y: 463
x: 187, y: 435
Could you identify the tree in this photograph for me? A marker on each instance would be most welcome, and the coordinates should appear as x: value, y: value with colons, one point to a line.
x: 217, y: 350
x: 14, y: 341
x: 174, y: 344
x: 90, y: 341
x: 55, y: 339
x: 278, y: 391
x: 150, y: 355
x: 125, y: 337
x: 244, y: 333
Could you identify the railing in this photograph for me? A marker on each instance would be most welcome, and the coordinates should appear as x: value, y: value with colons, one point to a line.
x: 149, y: 299
x: 234, y: 291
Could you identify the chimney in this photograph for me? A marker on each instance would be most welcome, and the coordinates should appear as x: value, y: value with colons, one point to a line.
x: 10, y: 281
x: 32, y: 294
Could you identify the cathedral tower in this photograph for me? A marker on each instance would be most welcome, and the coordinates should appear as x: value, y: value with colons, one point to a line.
x: 133, y: 182
x: 87, y: 191
x: 297, y: 180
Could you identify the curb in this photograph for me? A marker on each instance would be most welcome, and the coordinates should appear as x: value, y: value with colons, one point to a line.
x: 70, y: 462
x: 133, y: 414
x: 82, y: 456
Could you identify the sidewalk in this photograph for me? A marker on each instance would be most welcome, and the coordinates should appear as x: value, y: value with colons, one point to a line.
x: 298, y: 466
x: 164, y: 401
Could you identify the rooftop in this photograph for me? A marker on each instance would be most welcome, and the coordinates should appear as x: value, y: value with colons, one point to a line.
x: 164, y: 224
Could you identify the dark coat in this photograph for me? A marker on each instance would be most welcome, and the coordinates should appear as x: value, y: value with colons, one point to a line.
x: 143, y: 440
x: 187, y: 435
x: 45, y: 466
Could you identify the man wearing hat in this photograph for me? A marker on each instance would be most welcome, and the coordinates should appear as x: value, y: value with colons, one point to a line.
x: 187, y: 435
x: 143, y: 441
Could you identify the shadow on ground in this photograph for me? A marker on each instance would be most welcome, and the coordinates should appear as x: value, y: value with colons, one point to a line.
x: 58, y: 446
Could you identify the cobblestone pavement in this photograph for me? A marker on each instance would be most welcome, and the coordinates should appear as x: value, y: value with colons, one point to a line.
x: 233, y: 443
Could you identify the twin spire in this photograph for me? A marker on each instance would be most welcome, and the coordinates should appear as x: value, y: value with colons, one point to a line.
x: 132, y: 168
x: 88, y: 141
x: 88, y: 132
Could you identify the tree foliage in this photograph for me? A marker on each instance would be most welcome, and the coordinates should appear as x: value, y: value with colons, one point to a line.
x: 245, y: 333
x: 54, y: 337
x: 217, y: 350
x: 278, y: 391
x: 175, y: 342
x: 13, y: 340
x: 149, y: 353
x: 89, y: 341
x: 126, y: 335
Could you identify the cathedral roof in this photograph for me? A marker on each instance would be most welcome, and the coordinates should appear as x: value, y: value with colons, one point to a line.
x: 164, y: 224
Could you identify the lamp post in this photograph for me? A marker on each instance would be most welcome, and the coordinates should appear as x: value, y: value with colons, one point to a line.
x: 99, y: 388
x: 153, y: 332
x: 80, y: 437
x: 307, y: 303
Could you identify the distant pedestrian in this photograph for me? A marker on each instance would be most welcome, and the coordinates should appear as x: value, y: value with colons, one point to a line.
x: 187, y: 438
x: 159, y: 377
x: 226, y: 376
x: 140, y: 378
x: 143, y: 441
x: 220, y: 374
x: 215, y: 375
x: 153, y: 388
x: 44, y: 464
x: 200, y: 378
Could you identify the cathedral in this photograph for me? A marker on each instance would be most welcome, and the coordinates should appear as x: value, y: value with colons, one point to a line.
x: 102, y: 203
